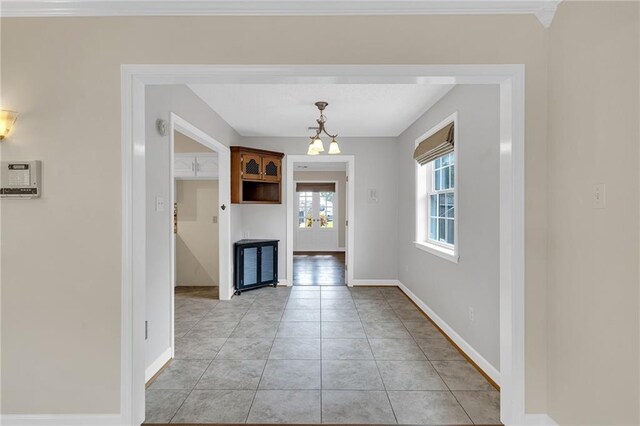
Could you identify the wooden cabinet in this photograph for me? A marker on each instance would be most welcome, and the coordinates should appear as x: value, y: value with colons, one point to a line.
x: 256, y: 176
x: 271, y: 168
x: 195, y: 165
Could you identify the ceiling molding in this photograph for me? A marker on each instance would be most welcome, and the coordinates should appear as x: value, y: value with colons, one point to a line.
x: 542, y: 9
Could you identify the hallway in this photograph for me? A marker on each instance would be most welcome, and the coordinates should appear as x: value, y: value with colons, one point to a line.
x: 312, y: 354
x: 314, y: 269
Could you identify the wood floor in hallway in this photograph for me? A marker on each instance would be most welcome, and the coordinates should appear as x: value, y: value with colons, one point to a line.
x: 316, y: 269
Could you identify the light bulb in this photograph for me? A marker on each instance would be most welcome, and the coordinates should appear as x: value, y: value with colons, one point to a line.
x: 334, y: 148
x: 318, y: 145
x: 312, y: 150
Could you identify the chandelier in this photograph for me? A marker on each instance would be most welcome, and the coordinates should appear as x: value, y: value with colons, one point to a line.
x: 316, y: 146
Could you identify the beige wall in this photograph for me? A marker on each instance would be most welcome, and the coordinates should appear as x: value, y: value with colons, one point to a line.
x: 593, y: 253
x: 182, y: 143
x: 61, y: 319
x: 197, y: 238
x: 63, y: 75
x: 341, y: 178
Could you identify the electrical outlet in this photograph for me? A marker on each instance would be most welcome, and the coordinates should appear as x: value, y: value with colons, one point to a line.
x: 373, y: 195
x: 215, y: 219
x: 472, y: 317
x: 246, y: 234
x: 159, y: 204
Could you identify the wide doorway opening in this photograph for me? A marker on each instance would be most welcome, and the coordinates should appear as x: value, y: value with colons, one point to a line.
x: 362, y: 300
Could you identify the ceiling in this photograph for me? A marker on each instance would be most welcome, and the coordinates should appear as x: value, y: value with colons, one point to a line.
x: 355, y: 110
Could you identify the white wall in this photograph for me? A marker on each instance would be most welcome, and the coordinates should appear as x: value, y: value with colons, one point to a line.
x: 447, y: 288
x: 375, y: 224
x: 340, y: 214
x: 197, y: 257
x: 160, y: 101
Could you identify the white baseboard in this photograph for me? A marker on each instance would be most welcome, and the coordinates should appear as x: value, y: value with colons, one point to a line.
x: 381, y: 283
x: 335, y: 250
x: 157, y: 365
x: 484, y: 365
x: 539, y: 420
x: 283, y: 282
x: 62, y: 420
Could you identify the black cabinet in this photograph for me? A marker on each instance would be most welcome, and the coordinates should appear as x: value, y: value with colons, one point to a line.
x: 255, y: 264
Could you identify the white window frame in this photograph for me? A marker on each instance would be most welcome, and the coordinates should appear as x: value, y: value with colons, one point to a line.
x: 424, y: 188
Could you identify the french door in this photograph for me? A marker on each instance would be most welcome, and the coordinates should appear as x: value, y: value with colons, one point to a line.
x: 317, y: 222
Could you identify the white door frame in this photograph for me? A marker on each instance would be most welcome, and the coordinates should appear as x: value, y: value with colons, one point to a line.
x: 350, y: 161
x: 510, y: 77
x: 336, y: 214
x: 225, y: 271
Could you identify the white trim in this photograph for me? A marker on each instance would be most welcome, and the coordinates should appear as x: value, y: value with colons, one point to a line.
x: 225, y: 273
x: 512, y: 113
x: 484, y: 365
x: 512, y: 300
x: 544, y: 10
x: 62, y: 420
x: 156, y: 365
x: 350, y: 197
x: 376, y: 283
x: 337, y: 250
x: 283, y: 282
x: 437, y: 250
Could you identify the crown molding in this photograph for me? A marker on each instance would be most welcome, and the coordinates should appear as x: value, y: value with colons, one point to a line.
x: 542, y: 9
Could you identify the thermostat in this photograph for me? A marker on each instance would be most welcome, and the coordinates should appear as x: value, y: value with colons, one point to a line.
x: 20, y: 179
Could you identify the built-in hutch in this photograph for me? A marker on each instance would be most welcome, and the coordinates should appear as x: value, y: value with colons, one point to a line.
x: 256, y: 176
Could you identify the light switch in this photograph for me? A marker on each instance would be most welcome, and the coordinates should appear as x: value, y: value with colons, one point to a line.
x: 599, y: 196
x: 373, y: 195
x: 159, y: 204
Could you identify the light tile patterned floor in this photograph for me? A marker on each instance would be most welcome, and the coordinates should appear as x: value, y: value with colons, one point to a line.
x: 315, y: 355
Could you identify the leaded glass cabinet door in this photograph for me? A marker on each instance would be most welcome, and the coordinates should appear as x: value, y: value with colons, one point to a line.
x: 251, y: 167
x: 271, y: 168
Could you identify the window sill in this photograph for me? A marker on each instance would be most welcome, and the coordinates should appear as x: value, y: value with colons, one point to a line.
x: 442, y: 252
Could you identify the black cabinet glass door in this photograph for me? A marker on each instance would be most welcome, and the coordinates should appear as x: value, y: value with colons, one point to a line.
x: 256, y: 264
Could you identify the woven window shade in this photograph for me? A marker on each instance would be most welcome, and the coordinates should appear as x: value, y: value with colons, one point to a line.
x: 436, y: 145
x: 315, y: 187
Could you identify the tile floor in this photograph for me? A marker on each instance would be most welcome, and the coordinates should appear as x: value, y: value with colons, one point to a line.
x: 315, y: 355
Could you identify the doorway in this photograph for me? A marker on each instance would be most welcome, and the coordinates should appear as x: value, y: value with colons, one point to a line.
x: 511, y: 80
x: 320, y: 219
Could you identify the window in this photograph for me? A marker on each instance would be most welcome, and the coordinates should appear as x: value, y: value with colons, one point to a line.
x: 305, y: 214
x: 442, y: 201
x: 436, y: 193
x: 326, y: 209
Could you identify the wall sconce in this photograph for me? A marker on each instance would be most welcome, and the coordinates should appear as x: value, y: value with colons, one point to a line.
x: 7, y: 119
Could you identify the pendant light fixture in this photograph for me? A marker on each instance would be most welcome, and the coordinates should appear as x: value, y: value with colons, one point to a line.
x: 317, y: 146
